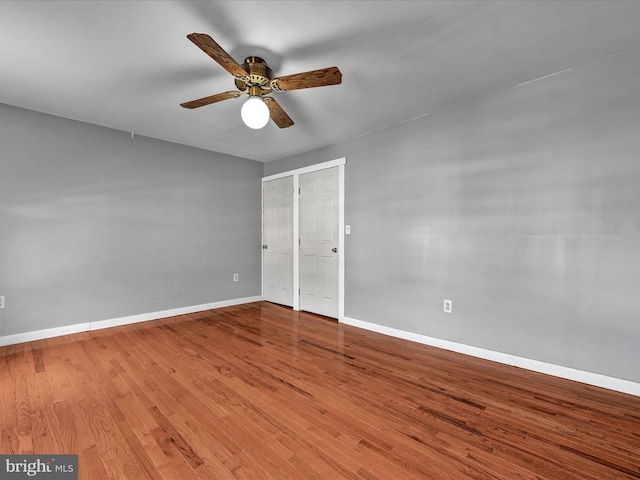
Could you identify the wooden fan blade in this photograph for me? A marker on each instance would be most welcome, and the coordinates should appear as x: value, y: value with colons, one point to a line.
x: 215, y: 51
x: 277, y: 114
x: 201, y: 102
x: 314, y: 78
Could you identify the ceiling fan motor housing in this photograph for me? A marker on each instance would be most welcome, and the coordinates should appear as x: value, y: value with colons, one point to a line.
x: 258, y: 81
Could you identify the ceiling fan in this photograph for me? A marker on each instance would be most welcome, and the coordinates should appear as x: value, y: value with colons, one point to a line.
x: 255, y: 78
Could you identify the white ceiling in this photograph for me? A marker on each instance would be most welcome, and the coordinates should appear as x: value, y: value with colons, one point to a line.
x: 128, y: 64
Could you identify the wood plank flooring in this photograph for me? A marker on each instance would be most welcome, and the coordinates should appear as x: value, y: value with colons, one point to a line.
x: 259, y: 391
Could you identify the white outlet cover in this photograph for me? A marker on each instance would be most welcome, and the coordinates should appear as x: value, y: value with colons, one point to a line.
x: 1, y: 301
x: 447, y: 306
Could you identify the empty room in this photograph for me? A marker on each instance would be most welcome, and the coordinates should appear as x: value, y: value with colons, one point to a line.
x: 319, y: 240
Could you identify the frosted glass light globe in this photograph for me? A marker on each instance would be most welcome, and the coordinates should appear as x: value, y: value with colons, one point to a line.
x: 255, y: 113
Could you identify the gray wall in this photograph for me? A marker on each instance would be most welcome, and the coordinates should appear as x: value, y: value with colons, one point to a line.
x: 523, y: 207
x: 95, y: 225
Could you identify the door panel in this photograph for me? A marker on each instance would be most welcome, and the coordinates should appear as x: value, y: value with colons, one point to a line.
x: 319, y: 197
x: 277, y: 257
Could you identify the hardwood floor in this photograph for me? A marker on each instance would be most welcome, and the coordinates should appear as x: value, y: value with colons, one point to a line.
x: 259, y: 391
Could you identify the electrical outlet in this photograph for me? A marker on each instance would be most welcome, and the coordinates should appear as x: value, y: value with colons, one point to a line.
x: 447, y: 306
x: 235, y: 277
x: 1, y: 301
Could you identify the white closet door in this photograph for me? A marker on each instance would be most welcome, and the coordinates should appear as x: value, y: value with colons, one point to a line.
x: 319, y: 196
x: 277, y: 248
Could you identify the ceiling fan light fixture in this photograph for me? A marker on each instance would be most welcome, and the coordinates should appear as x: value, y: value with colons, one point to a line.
x: 255, y: 78
x: 255, y: 113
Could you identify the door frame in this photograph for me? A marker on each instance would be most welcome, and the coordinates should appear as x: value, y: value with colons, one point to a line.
x: 340, y: 163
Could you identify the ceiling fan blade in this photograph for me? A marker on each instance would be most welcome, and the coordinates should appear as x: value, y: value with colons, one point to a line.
x: 201, y: 102
x: 215, y: 51
x: 315, y: 78
x: 277, y: 114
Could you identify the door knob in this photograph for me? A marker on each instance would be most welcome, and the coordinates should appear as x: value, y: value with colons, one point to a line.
x: 334, y: 250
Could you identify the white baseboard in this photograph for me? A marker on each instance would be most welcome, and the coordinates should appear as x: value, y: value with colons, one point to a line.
x: 40, y: 334
x: 114, y: 322
x: 595, y: 379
